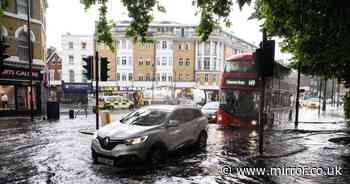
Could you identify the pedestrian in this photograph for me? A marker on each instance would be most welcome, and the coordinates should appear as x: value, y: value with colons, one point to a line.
x: 135, y: 98
x: 4, y: 100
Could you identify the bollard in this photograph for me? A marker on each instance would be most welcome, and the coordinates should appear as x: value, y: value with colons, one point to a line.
x: 71, y: 114
x: 106, y: 117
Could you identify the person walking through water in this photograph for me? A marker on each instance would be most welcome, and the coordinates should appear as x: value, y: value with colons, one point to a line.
x: 4, y: 101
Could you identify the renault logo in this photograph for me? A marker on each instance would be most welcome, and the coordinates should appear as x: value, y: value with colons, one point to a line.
x: 106, y: 141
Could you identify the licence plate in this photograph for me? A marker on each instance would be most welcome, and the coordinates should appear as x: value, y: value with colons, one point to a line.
x: 105, y: 161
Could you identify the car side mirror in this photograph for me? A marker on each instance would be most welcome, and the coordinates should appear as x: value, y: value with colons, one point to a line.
x: 173, y: 123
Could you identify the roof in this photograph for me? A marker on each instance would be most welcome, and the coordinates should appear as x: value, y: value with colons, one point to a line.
x: 241, y: 57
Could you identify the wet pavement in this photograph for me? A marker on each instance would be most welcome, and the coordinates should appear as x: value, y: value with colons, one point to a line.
x: 55, y: 152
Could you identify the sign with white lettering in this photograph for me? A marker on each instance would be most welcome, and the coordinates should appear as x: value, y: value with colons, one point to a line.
x: 240, y: 82
x: 19, y: 73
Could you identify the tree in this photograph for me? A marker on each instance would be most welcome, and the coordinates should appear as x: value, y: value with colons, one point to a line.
x: 315, y: 32
x: 211, y: 11
x: 3, y: 5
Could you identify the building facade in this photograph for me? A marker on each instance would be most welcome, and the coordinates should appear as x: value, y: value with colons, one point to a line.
x: 14, y: 74
x: 73, y: 49
x: 177, y: 58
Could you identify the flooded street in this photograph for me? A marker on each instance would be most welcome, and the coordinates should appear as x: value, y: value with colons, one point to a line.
x: 55, y: 152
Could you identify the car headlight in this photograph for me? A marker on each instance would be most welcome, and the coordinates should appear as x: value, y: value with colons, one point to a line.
x: 213, y: 116
x: 137, y: 140
x: 254, y: 122
x: 95, y: 135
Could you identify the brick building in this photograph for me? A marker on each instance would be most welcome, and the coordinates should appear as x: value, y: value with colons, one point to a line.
x: 14, y: 74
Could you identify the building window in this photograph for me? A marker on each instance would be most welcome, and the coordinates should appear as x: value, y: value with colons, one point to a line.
x: 181, y: 62
x: 187, y: 46
x: 83, y: 45
x: 206, y: 63
x: 207, y: 48
x: 164, y: 77
x: 214, y: 78
x: 22, y: 47
x: 170, y: 78
x: 158, y: 77
x: 180, y: 76
x: 164, y: 61
x: 130, y: 76
x: 199, y: 63
x: 124, y: 77
x: 215, y: 44
x: 123, y: 60
x: 22, y: 7
x: 71, y: 59
x: 118, y: 76
x: 140, y: 77
x: 117, y: 43
x: 148, y: 77
x: 206, y: 77
x: 214, y: 63
x: 140, y: 61
x: 158, y: 61
x: 123, y: 44
x: 71, y: 76
x: 118, y: 60
x: 180, y: 47
x: 148, y: 62
x: 71, y: 45
x: 188, y: 61
x: 164, y: 44
x: 130, y: 60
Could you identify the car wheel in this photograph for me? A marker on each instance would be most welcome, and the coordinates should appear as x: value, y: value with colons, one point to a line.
x: 202, y: 140
x: 158, y: 154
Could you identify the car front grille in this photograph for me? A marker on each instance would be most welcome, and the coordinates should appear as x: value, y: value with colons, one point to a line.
x: 107, y: 143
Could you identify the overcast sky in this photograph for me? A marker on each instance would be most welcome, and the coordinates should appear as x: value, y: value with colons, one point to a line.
x: 69, y: 16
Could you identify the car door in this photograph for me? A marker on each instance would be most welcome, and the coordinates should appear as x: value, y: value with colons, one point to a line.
x: 190, y: 125
x: 175, y: 135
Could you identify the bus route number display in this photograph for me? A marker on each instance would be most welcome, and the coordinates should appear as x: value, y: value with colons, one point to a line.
x: 240, y: 82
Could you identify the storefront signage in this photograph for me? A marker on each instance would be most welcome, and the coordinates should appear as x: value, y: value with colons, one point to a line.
x: 19, y: 73
x: 240, y: 82
x: 77, y: 87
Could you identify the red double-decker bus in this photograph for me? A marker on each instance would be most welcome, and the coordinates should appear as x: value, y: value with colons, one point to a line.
x: 240, y: 88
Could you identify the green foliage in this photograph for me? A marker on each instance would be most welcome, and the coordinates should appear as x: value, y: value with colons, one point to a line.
x: 346, y: 100
x: 140, y: 12
x: 4, y: 4
x: 315, y: 32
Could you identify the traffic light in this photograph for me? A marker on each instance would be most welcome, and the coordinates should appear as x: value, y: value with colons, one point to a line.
x: 3, y: 48
x: 104, y: 69
x: 265, y: 58
x: 87, y: 73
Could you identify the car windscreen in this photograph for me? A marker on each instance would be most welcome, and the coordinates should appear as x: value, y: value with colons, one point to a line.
x: 145, y: 117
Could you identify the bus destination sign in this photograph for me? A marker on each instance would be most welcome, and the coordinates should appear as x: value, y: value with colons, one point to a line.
x: 240, y: 82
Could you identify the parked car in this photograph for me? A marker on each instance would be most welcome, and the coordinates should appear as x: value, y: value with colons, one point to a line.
x: 210, y: 110
x: 116, y: 102
x: 149, y: 134
x: 312, y: 103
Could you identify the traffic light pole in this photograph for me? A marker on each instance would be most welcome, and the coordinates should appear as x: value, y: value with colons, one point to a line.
x: 30, y: 62
x: 97, y: 79
x: 262, y: 107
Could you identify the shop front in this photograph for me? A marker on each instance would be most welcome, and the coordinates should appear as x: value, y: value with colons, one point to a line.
x: 15, y: 91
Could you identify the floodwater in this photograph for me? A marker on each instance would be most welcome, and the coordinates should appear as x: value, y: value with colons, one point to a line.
x: 55, y: 152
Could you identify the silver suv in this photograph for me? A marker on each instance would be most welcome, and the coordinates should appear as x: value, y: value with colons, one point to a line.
x: 149, y: 134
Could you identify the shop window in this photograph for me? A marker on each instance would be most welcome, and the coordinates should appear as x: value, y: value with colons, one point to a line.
x: 7, y: 97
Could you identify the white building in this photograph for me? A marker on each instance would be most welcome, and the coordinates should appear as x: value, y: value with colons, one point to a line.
x: 164, y: 62
x: 125, y: 63
x: 73, y: 49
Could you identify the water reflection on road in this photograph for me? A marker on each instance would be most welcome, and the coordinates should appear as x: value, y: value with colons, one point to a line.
x: 55, y: 152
